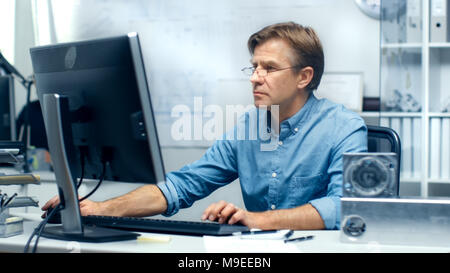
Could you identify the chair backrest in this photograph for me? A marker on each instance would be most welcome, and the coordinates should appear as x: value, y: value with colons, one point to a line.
x: 384, y: 139
x: 38, y: 136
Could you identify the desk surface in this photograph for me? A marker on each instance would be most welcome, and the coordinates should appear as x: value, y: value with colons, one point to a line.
x: 323, y: 242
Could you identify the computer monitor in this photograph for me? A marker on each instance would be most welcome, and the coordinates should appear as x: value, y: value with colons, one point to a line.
x: 98, y: 116
x: 7, y: 109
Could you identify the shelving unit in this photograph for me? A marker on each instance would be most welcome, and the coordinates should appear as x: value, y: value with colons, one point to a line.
x: 421, y: 69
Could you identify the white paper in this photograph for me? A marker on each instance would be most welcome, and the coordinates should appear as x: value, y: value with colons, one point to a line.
x: 343, y: 88
x: 234, y: 244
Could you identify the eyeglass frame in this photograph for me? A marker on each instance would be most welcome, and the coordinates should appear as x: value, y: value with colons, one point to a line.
x: 253, y: 70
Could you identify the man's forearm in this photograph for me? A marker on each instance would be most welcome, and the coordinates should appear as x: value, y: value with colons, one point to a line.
x: 144, y: 201
x: 305, y: 217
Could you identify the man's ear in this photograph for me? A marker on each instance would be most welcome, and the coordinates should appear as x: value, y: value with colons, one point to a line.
x: 305, y: 77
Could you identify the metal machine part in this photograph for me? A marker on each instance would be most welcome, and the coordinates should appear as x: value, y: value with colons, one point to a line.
x: 400, y: 221
x: 370, y: 175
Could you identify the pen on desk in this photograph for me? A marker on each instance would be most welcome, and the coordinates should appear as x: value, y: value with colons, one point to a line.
x: 299, y: 239
x: 265, y: 234
x: 254, y: 232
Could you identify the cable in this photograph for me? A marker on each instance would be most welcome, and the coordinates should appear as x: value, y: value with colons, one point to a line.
x: 38, y: 234
x: 38, y: 230
x: 98, y: 184
x: 82, y: 162
x: 57, y: 208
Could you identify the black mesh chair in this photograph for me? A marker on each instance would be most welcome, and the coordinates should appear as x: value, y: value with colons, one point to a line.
x: 384, y: 139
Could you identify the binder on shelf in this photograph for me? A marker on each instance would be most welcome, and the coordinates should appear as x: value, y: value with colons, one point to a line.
x: 396, y: 125
x: 435, y: 148
x: 438, y: 21
x: 417, y: 148
x: 413, y: 21
x: 445, y: 163
x: 407, y: 146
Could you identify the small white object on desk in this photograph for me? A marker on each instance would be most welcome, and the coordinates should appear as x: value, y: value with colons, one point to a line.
x: 154, y: 239
x: 234, y: 244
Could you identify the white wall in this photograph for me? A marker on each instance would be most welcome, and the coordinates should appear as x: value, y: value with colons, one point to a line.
x: 7, y: 15
x: 24, y: 39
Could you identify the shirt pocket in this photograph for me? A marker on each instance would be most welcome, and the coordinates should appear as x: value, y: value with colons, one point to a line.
x: 303, y: 189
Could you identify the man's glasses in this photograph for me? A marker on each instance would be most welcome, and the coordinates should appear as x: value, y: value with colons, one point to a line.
x: 249, y: 71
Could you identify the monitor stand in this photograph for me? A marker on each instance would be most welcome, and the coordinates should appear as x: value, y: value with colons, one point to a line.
x: 59, y: 134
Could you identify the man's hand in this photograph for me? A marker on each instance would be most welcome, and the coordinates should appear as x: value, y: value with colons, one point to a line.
x: 52, y: 203
x: 299, y: 218
x: 144, y: 201
x: 87, y: 207
x: 228, y: 213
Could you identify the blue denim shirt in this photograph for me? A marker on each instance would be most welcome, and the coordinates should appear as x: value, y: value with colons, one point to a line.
x: 304, y: 167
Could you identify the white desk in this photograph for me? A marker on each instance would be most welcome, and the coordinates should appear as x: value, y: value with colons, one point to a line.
x: 323, y: 242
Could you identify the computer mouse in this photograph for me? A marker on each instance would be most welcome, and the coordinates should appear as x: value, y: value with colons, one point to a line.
x: 56, y: 217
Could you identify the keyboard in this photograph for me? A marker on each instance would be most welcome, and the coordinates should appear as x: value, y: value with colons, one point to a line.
x: 163, y: 226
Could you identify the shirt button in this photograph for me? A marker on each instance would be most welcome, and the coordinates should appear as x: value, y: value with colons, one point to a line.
x: 296, y: 129
x: 274, y: 174
x: 280, y: 143
x: 273, y: 207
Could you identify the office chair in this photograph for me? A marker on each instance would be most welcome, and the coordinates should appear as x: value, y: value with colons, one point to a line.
x: 38, y: 136
x: 384, y: 139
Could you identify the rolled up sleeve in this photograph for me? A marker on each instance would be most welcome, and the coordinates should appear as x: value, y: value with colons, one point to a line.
x: 328, y: 208
x: 216, y: 168
x: 353, y: 138
x: 171, y: 195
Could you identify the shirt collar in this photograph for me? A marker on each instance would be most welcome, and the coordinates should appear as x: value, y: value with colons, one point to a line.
x: 300, y: 117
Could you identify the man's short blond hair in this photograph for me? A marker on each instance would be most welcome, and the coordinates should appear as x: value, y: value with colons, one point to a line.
x: 304, y: 41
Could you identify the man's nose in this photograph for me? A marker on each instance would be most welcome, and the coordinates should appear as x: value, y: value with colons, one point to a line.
x: 255, y: 78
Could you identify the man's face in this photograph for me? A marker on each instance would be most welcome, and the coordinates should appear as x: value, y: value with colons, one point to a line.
x: 278, y: 87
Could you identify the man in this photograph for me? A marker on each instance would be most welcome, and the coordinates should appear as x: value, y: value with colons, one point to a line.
x: 298, y: 184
